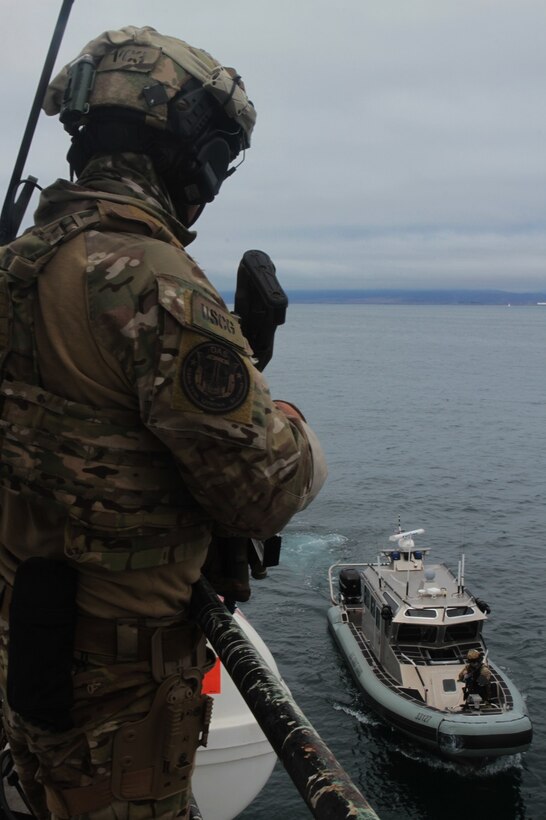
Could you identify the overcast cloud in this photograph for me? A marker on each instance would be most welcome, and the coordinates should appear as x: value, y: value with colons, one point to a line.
x: 399, y: 143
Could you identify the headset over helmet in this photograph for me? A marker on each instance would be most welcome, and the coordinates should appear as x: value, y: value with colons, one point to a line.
x: 138, y: 90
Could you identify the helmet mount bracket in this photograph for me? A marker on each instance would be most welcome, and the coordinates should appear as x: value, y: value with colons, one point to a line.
x: 75, y: 104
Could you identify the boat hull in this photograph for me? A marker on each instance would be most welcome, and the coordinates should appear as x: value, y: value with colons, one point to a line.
x: 456, y: 735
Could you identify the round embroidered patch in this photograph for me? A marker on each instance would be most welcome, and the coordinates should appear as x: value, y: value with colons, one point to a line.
x: 214, y: 378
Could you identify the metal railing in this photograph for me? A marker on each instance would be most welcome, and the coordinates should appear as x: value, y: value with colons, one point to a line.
x: 323, y: 784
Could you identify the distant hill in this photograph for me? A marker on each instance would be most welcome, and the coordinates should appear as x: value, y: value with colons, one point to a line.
x: 415, y: 297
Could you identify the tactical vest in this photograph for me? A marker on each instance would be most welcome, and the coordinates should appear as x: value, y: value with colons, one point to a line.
x: 126, y: 504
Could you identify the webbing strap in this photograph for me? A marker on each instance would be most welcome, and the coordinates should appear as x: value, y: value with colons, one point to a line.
x: 127, y: 639
x: 67, y: 803
x: 28, y: 255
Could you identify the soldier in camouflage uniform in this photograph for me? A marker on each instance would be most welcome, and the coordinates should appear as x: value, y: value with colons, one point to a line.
x: 476, y: 676
x: 133, y: 427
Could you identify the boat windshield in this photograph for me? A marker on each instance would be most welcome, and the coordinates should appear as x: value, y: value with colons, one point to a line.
x: 415, y: 633
x: 421, y: 633
x: 461, y: 632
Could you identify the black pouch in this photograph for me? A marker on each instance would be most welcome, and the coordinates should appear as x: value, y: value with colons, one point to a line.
x: 42, y: 624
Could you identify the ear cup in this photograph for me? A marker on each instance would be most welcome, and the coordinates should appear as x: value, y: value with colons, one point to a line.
x: 210, y: 170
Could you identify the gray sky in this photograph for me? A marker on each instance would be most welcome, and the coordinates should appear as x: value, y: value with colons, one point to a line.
x: 399, y: 143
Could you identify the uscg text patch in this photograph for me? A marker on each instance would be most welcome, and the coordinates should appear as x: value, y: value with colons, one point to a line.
x: 212, y: 320
x: 214, y: 378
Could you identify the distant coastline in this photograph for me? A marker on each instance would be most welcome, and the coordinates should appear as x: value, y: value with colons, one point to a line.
x: 410, y: 297
x: 416, y: 297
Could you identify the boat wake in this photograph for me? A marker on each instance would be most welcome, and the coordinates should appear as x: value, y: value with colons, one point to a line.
x: 302, y: 542
x: 477, y: 769
x: 363, y: 717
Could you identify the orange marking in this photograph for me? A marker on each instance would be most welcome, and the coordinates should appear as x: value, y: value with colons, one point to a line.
x: 212, y: 682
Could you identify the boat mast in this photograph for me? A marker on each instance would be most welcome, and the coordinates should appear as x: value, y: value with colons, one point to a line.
x: 460, y: 576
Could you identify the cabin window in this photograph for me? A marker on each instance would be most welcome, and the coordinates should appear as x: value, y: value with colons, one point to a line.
x: 421, y: 613
x: 449, y: 685
x: 413, y: 633
x: 461, y: 632
x: 458, y: 611
x: 372, y: 607
x: 443, y: 654
x: 391, y: 602
x: 366, y: 596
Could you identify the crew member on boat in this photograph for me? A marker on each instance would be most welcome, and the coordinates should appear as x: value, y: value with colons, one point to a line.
x: 476, y: 676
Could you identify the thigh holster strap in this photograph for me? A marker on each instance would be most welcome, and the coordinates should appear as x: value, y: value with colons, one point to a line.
x: 68, y: 803
x: 153, y: 758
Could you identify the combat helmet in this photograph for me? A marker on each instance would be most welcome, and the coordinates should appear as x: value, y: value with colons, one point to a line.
x: 135, y: 87
x: 473, y: 655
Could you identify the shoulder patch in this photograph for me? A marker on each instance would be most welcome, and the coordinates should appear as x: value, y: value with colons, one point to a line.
x: 195, y: 310
x: 211, y: 319
x: 214, y: 378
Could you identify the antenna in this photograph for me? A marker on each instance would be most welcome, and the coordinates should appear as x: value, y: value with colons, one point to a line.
x: 13, y: 210
x: 402, y: 536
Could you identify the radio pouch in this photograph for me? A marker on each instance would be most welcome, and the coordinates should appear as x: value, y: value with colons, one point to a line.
x: 42, y: 623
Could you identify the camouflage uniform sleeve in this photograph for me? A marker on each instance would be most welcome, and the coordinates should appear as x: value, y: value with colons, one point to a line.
x: 248, y: 466
x: 465, y: 673
x: 485, y: 675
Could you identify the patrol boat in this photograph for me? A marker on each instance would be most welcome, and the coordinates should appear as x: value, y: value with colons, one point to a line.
x: 404, y: 630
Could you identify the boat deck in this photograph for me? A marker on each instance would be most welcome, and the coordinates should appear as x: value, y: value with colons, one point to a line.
x: 420, y: 656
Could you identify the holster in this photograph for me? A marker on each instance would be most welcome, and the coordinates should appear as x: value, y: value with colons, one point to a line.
x: 153, y: 758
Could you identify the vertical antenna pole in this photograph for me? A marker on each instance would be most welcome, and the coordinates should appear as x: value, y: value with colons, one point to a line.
x: 13, y: 211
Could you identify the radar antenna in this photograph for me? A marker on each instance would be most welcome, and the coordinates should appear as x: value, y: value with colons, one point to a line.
x: 404, y: 539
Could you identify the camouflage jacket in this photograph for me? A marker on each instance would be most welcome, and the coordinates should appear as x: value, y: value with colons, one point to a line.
x: 129, y: 340
x: 479, y: 676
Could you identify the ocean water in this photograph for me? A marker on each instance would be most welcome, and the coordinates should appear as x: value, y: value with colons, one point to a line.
x: 436, y: 415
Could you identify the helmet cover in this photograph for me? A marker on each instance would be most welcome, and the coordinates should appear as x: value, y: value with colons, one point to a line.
x: 141, y: 70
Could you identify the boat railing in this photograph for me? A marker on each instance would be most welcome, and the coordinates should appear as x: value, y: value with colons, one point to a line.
x: 412, y: 662
x: 323, y: 784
